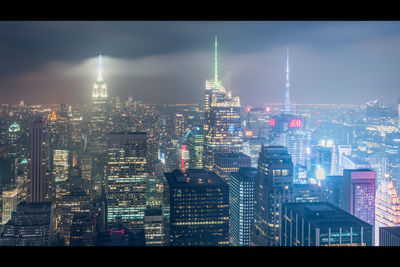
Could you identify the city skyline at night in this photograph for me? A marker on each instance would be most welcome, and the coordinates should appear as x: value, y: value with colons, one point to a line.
x: 199, y: 133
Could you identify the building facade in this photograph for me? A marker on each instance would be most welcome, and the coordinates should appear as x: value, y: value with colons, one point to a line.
x: 273, y: 187
x: 322, y: 224
x: 198, y: 208
x: 241, y: 205
x: 126, y: 179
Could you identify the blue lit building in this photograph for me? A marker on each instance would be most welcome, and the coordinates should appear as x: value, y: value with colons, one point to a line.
x: 241, y: 206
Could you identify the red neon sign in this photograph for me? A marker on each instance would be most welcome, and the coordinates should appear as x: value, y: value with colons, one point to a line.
x: 295, y: 124
x: 271, y: 122
x: 183, y: 149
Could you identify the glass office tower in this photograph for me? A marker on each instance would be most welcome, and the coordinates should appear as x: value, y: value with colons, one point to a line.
x: 126, y: 179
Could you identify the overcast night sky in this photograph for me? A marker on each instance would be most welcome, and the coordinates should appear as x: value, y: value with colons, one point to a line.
x: 349, y: 62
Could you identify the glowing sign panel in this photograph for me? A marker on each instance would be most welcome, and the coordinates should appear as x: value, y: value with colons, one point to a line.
x: 249, y: 133
x: 295, y: 123
x: 272, y: 122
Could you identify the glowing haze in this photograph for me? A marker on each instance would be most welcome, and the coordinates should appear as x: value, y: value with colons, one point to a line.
x: 168, y: 62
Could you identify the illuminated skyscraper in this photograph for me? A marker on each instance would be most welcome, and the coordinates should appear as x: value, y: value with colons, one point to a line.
x: 241, y: 205
x: 378, y: 163
x: 126, y: 179
x: 15, y: 150
x: 14, y: 140
x: 154, y: 227
x: 179, y: 126
x: 359, y: 194
x: 290, y: 131
x: 183, y: 157
x: 196, y: 147
x: 273, y: 188
x: 99, y: 109
x: 387, y: 207
x: 222, y: 127
x: 324, y: 155
x: 60, y: 170
x: 10, y: 201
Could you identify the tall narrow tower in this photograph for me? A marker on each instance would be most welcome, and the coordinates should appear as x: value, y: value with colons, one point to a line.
x: 287, y: 100
x: 216, y: 61
x: 99, y: 87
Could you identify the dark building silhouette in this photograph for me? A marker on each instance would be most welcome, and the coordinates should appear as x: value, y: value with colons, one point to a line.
x: 322, y: 224
x: 40, y: 186
x: 199, y: 208
x: 30, y: 225
x: 121, y: 237
x: 83, y: 229
x: 389, y: 236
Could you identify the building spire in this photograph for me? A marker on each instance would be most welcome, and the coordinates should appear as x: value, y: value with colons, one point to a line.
x: 100, y: 77
x: 216, y: 60
x: 287, y: 100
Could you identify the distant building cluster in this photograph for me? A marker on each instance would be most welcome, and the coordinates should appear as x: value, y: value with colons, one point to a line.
x: 119, y: 172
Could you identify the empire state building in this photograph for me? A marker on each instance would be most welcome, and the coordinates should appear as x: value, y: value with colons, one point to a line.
x: 98, y: 115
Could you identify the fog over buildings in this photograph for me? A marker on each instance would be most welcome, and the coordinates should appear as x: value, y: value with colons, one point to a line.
x: 348, y: 62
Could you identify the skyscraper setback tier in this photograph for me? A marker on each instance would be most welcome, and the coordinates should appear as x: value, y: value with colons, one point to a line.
x: 126, y: 179
x: 199, y: 208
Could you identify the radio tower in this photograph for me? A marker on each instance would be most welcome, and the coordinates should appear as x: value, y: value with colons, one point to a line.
x: 216, y: 62
x: 287, y: 101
